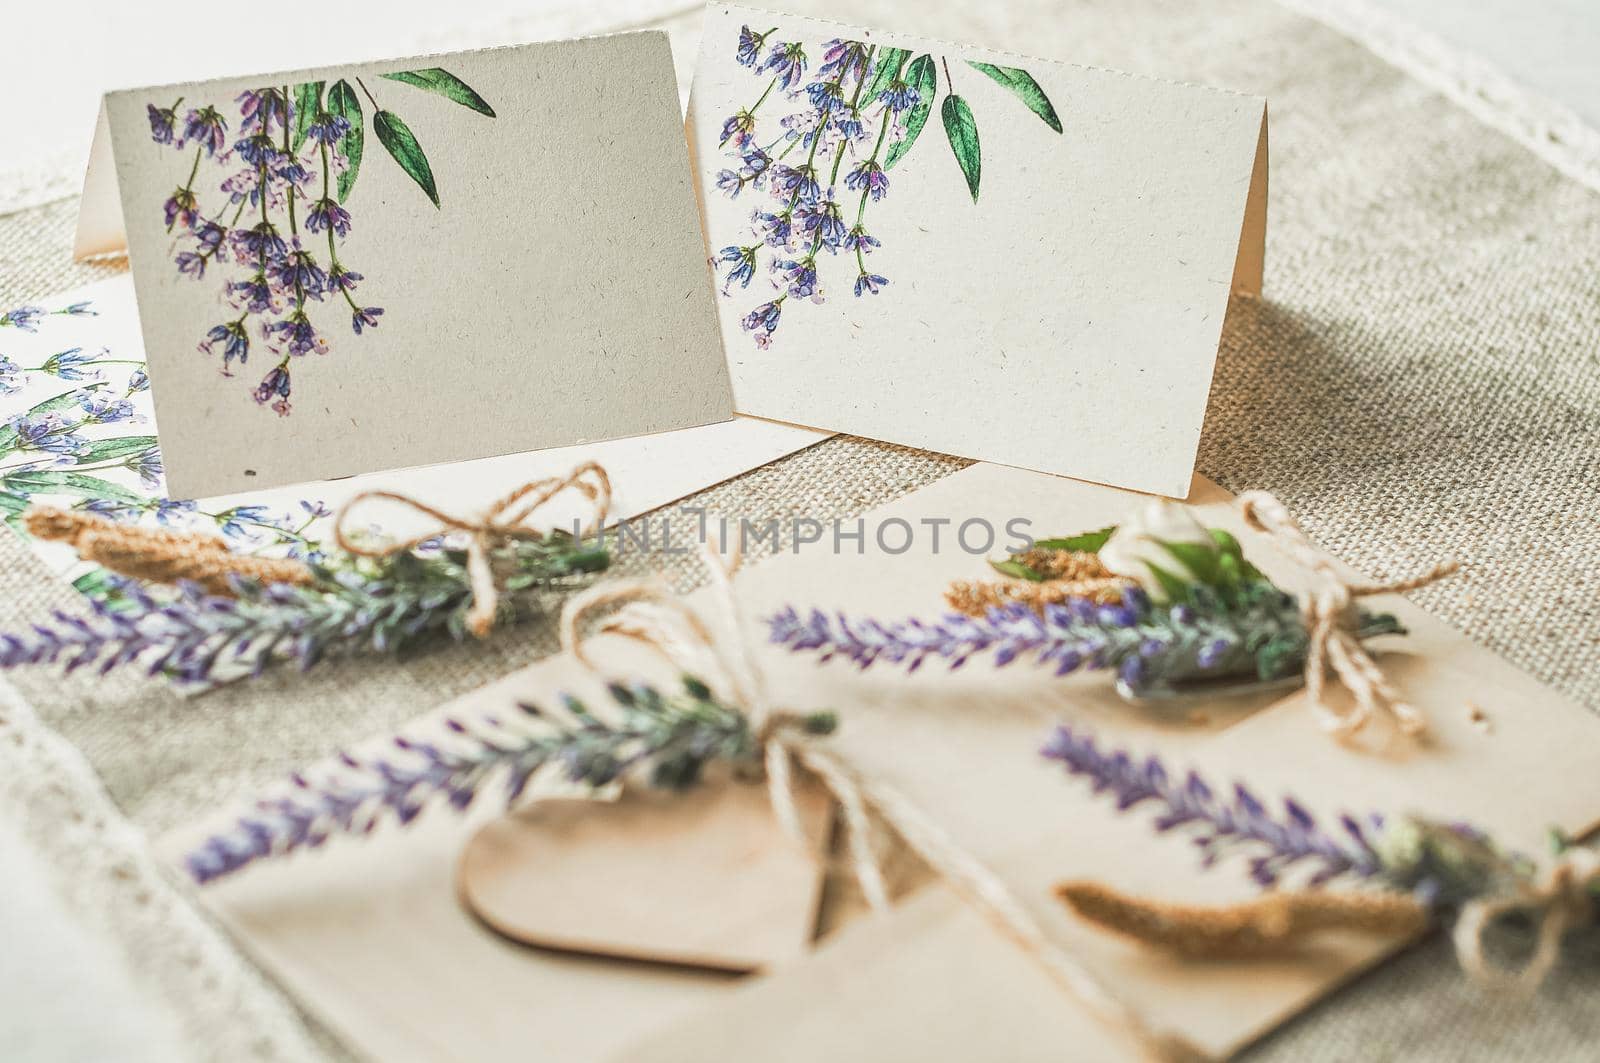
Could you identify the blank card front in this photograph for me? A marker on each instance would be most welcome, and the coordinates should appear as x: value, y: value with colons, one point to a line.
x: 1005, y: 258
x: 416, y: 261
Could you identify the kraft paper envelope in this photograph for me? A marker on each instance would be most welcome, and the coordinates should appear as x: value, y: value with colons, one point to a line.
x: 1012, y: 259
x: 368, y: 934
x: 413, y: 261
x: 77, y: 430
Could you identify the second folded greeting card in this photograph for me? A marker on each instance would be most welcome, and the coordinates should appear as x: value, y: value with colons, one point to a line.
x: 409, y: 262
x: 1004, y: 258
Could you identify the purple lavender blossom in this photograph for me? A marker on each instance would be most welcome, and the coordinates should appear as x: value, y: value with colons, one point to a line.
x: 181, y: 209
x: 742, y: 264
x: 48, y: 433
x: 25, y: 318
x: 234, y: 339
x: 342, y: 280
x: 860, y: 241
x: 763, y: 319
x: 257, y: 150
x: 750, y: 45
x: 105, y: 409
x: 148, y: 466
x: 296, y: 335
x: 260, y: 109
x: 11, y: 376
x: 326, y: 214
x: 175, y: 512
x: 843, y: 61
x: 162, y: 121
x: 868, y: 177
x: 298, y: 271
x: 74, y: 364
x: 786, y: 62
x: 190, y: 264
x: 138, y: 381
x: 254, y: 295
x: 274, y: 388
x: 364, y: 318
x: 869, y: 283
x: 738, y: 129
x: 206, y: 128
x: 327, y: 128
x: 899, y: 97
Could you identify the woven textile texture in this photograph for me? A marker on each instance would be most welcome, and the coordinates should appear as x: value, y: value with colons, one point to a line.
x: 1421, y: 379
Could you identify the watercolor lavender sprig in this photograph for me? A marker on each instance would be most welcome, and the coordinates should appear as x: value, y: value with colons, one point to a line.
x: 379, y: 605
x: 283, y: 184
x: 667, y: 739
x: 864, y: 103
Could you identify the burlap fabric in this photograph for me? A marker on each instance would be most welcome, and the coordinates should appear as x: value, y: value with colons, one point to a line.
x: 1419, y: 381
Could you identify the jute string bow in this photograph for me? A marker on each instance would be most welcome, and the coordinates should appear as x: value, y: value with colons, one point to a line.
x: 1561, y: 900
x: 502, y: 522
x: 647, y: 611
x: 1329, y: 616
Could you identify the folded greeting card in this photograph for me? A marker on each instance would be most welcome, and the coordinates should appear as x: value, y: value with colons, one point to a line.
x: 1023, y: 261
x: 398, y: 263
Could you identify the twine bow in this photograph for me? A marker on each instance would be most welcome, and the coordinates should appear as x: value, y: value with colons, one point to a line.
x: 648, y: 611
x: 1329, y: 619
x: 1561, y: 900
x: 501, y: 523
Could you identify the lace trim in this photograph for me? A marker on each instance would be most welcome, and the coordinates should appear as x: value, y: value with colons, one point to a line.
x: 104, y: 871
x: 1550, y: 130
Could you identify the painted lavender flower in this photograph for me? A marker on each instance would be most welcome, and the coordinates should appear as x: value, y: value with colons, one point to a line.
x: 814, y: 153
x: 667, y: 738
x: 1441, y: 863
x: 280, y: 218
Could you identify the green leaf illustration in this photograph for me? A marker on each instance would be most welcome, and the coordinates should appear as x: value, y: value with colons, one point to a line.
x: 962, y: 130
x: 888, y: 68
x: 342, y: 101
x: 397, y: 140
x: 65, y: 401
x: 1022, y: 85
x: 59, y: 482
x: 112, y: 449
x: 1087, y: 543
x: 307, y: 102
x: 13, y: 505
x: 445, y: 84
x: 924, y: 77
x: 1173, y: 588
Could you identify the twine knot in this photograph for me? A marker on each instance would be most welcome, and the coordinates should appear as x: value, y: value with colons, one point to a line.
x: 1331, y: 620
x: 1561, y: 900
x: 647, y: 610
x: 499, y: 524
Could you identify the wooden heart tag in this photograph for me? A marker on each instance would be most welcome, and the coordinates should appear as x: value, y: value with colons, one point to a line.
x: 705, y: 877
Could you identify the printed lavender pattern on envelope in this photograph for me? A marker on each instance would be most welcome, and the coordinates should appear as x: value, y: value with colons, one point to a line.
x: 283, y: 182
x: 861, y: 111
x: 75, y: 433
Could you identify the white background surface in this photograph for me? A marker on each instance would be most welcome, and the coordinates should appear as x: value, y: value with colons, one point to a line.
x: 62, y: 54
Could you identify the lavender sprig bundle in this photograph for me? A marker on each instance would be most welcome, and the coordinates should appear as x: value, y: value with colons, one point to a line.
x: 382, y: 605
x: 1153, y: 647
x: 668, y: 739
x: 1442, y: 864
x: 1186, y: 607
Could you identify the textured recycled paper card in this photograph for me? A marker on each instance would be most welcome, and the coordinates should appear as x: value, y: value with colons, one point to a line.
x: 414, y: 261
x: 964, y: 747
x: 77, y: 430
x: 1011, y: 259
